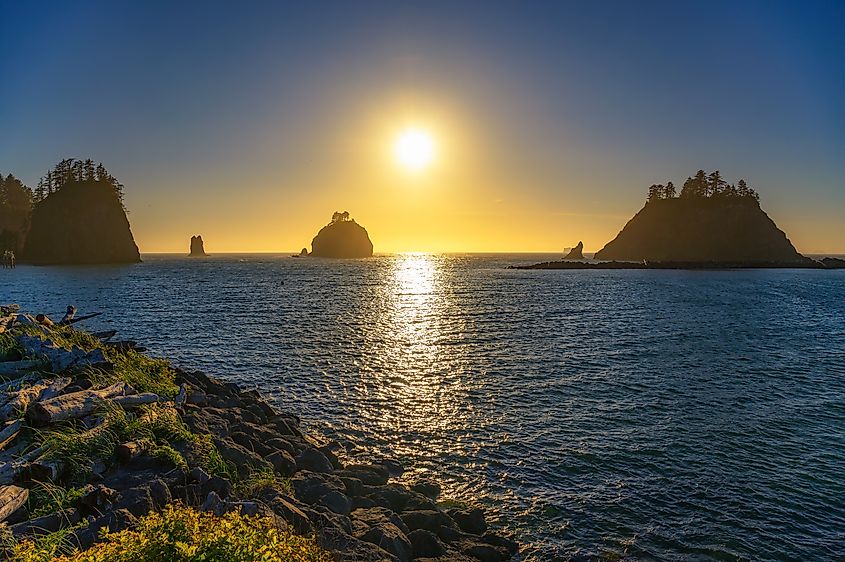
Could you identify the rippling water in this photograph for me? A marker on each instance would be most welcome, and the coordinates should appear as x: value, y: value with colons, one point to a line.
x: 599, y: 414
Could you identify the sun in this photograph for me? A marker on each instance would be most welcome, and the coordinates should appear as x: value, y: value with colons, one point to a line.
x: 414, y: 149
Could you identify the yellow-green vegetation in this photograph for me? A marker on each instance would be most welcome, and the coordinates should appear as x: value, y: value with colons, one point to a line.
x: 43, y: 548
x: 143, y: 373
x: 182, y: 534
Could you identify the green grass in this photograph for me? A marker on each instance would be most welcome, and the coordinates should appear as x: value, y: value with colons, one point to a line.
x: 46, y: 497
x: 210, y: 458
x: 182, y: 534
x: 259, y: 480
x: 78, y: 449
x: 9, y: 348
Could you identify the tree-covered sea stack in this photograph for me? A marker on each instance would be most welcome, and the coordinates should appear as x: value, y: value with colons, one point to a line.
x: 710, y: 221
x: 79, y: 218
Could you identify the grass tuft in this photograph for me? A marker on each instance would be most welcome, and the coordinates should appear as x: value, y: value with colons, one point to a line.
x: 46, y: 497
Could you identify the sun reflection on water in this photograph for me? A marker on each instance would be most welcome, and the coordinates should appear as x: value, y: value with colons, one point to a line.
x: 420, y: 384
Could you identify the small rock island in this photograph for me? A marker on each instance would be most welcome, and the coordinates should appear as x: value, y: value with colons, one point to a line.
x: 342, y: 238
x: 78, y: 217
x: 576, y: 253
x: 197, y: 247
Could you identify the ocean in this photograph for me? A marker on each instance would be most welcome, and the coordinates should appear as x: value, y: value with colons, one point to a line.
x: 656, y: 415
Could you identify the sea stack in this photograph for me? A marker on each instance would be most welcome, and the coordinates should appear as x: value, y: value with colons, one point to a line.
x: 342, y: 238
x: 576, y: 253
x: 710, y: 222
x: 83, y: 222
x: 197, y: 248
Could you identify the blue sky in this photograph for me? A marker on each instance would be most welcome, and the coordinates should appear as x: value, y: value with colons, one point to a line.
x: 565, y: 112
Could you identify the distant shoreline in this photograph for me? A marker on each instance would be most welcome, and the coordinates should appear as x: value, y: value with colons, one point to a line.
x: 578, y: 265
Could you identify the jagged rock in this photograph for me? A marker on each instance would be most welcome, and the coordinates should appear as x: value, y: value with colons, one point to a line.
x: 342, y: 238
x: 428, y: 519
x: 288, y: 511
x: 311, y: 486
x: 47, y: 523
x: 282, y: 462
x: 576, y: 253
x: 337, y: 502
x: 82, y: 223
x: 304, y: 252
x: 199, y: 475
x: 370, y: 474
x: 469, y: 520
x: 698, y: 229
x: 245, y: 461
x: 221, y: 486
x: 313, y: 460
x: 426, y: 544
x: 484, y: 552
x: 428, y: 488
x: 197, y: 247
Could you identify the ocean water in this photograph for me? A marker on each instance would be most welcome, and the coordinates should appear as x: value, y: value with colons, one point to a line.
x: 656, y: 415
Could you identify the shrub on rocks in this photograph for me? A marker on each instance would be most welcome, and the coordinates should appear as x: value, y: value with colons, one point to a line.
x: 181, y: 533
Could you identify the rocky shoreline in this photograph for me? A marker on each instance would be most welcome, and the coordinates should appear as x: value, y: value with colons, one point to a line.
x: 215, y: 448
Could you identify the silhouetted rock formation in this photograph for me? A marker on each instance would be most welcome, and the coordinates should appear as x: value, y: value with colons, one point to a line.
x: 576, y: 253
x: 197, y: 248
x: 304, y: 252
x: 342, y: 238
x: 729, y: 230
x: 833, y: 263
x: 82, y: 223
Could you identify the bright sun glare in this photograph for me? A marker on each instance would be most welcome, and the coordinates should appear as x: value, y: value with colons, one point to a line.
x: 414, y: 149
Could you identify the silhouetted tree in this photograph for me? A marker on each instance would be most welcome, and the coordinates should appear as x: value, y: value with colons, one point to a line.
x: 701, y: 186
x: 715, y: 183
x: 40, y: 192
x: 88, y: 170
x: 669, y: 191
x: 742, y: 188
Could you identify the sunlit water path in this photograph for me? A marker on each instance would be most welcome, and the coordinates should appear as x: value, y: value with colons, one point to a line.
x: 655, y: 414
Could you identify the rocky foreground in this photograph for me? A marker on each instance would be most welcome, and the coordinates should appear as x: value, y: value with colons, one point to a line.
x: 115, y: 436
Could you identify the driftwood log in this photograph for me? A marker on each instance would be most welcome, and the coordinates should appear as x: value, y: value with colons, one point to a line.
x: 11, y: 499
x: 17, y: 368
x: 135, y: 400
x: 9, y: 432
x: 75, y: 404
x: 19, y: 400
x: 43, y: 470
